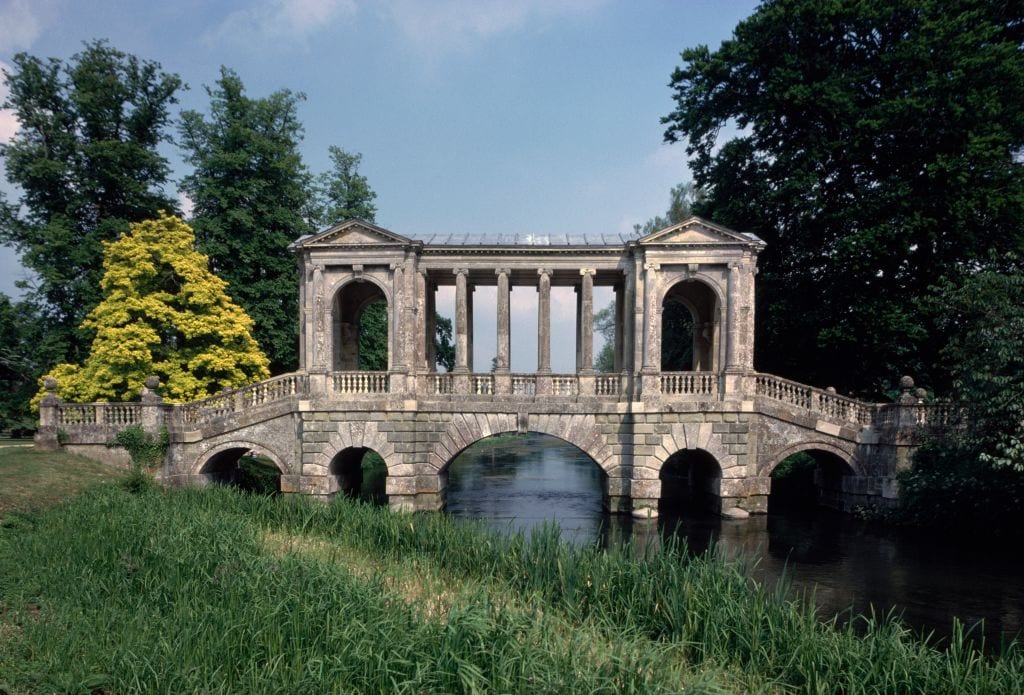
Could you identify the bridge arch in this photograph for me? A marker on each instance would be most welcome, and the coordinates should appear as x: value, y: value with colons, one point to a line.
x: 465, y: 429
x: 353, y: 435
x: 350, y: 299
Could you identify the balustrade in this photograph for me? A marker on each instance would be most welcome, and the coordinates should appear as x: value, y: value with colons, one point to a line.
x: 524, y: 384
x: 564, y: 385
x: 483, y: 384
x: 822, y: 403
x: 443, y: 384
x: 689, y: 384
x: 360, y: 382
x: 274, y: 389
x: 608, y: 384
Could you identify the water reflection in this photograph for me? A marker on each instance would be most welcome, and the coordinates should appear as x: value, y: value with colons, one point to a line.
x: 522, y: 481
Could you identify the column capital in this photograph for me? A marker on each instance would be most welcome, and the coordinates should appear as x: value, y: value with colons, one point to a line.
x: 652, y: 266
x: 502, y: 271
x: 544, y: 271
x: 587, y: 271
x: 460, y: 271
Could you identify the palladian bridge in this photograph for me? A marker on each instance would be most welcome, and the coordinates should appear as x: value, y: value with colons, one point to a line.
x: 706, y: 421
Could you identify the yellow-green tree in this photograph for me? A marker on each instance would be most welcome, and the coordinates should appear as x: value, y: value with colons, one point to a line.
x: 163, y: 312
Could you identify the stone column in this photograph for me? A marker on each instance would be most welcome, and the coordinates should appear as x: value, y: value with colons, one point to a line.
x: 620, y: 325
x: 461, y: 322
x: 470, y: 290
x: 732, y: 357
x: 422, y: 351
x: 651, y: 327
x: 504, y: 321
x: 587, y: 322
x: 398, y: 324
x: 544, y: 322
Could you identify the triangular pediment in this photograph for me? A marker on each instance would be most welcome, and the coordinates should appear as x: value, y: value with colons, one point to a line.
x: 353, y: 233
x: 698, y: 231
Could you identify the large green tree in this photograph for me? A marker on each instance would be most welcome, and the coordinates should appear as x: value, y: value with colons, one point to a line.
x: 85, y: 161
x: 251, y: 193
x: 27, y: 348
x: 875, y: 146
x: 343, y: 193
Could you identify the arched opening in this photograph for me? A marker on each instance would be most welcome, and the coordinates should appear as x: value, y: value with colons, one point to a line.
x: 361, y: 474
x: 244, y: 469
x: 690, y: 484
x: 361, y: 328
x: 804, y: 481
x: 520, y: 481
x: 689, y: 327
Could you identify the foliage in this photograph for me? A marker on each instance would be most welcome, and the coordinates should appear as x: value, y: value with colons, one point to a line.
x: 604, y: 325
x: 444, y: 349
x: 26, y: 348
x: 343, y: 193
x: 146, y: 451
x: 373, y: 337
x: 163, y: 313
x: 796, y: 464
x: 263, y: 578
x: 251, y: 193
x: 981, y: 314
x: 258, y: 475
x: 677, y: 338
x: 682, y: 198
x: 872, y: 145
x: 85, y: 159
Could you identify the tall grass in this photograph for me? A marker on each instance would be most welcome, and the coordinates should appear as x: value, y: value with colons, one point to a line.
x: 178, y: 591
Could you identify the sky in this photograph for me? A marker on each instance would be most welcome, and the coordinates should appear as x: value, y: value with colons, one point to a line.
x: 472, y: 116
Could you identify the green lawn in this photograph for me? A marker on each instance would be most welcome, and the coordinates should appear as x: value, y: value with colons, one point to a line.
x: 31, y: 479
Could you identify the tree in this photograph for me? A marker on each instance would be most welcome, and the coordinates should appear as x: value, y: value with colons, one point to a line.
x: 251, y: 192
x: 874, y: 146
x: 343, y: 193
x: 86, y: 161
x: 163, y: 312
x: 444, y: 349
x: 682, y: 198
x: 604, y: 325
x: 373, y: 337
x: 26, y: 349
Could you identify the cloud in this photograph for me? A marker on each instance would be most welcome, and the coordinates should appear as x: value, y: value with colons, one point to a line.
x: 23, y: 21
x: 8, y: 121
x: 459, y: 23
x: 289, y: 19
x: 186, y: 205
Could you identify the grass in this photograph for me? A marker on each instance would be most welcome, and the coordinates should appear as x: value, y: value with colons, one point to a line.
x: 217, y: 591
x: 31, y: 479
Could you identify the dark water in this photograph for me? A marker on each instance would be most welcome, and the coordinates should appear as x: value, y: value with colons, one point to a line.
x: 849, y: 567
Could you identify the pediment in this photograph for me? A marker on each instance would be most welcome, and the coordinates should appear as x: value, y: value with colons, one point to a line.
x: 697, y: 231
x: 353, y: 233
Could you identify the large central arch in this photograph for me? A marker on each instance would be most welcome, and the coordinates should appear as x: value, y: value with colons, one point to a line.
x: 690, y: 328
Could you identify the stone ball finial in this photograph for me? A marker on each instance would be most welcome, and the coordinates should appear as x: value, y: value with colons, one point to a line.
x: 152, y: 382
x: 921, y: 394
x: 831, y: 390
x: 907, y: 383
x: 50, y: 384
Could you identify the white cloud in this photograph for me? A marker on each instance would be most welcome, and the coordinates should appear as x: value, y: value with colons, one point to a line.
x: 186, y: 205
x: 458, y: 23
x: 292, y: 19
x: 22, y: 21
x: 8, y: 121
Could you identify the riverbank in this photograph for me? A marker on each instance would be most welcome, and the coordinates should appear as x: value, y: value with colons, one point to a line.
x: 220, y: 591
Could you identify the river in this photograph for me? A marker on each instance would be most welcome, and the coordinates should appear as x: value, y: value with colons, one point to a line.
x: 849, y: 566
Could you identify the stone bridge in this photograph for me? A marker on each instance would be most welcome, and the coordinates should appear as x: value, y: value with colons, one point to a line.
x: 681, y: 406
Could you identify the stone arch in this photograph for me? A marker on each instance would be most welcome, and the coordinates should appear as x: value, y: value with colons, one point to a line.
x: 845, y: 454
x: 354, y: 435
x: 465, y: 429
x: 683, y: 436
x: 691, y: 479
x: 346, y: 315
x: 203, y: 459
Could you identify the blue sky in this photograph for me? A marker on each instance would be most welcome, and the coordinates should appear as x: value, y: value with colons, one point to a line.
x: 528, y: 116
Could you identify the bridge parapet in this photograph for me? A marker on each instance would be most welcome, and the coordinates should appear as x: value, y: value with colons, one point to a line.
x: 825, y: 404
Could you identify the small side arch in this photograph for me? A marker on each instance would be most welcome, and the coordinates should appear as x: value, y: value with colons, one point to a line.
x: 241, y: 446
x: 846, y: 455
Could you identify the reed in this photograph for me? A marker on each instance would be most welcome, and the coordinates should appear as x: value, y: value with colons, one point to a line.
x: 214, y: 590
